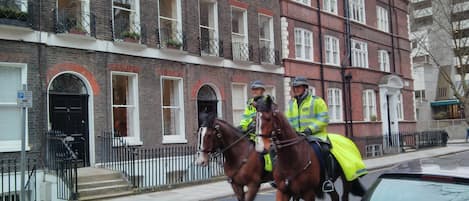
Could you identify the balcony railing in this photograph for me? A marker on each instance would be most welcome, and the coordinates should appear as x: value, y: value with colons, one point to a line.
x: 267, y: 55
x: 75, y: 22
x: 125, y: 31
x: 240, y: 51
x: 171, y: 38
x: 211, y: 47
x: 14, y: 12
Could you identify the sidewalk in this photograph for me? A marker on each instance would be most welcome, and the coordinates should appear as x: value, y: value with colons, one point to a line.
x: 222, y: 188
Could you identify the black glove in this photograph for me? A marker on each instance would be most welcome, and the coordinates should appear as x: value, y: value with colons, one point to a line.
x: 308, y: 131
x: 252, y: 126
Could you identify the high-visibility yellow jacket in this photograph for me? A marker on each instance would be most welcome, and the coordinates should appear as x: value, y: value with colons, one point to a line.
x: 312, y: 114
x: 248, y: 115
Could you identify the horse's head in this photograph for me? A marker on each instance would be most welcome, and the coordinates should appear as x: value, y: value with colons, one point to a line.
x: 207, y: 141
x: 265, y: 121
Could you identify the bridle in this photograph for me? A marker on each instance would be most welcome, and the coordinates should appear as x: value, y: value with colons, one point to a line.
x: 276, y: 131
x: 220, y: 138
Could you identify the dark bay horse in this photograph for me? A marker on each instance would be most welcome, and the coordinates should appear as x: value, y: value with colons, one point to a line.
x: 297, y: 171
x: 243, y: 165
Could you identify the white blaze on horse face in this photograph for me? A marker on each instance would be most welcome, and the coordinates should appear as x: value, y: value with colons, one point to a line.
x: 202, y: 158
x: 259, y: 140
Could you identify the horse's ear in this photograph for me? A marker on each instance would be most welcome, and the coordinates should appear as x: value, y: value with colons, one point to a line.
x: 269, y: 100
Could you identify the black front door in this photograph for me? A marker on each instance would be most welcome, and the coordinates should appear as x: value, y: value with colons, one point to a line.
x: 207, y: 106
x: 69, y: 115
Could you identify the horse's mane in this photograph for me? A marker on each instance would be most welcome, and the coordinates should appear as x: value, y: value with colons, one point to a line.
x: 229, y: 126
x: 284, y: 123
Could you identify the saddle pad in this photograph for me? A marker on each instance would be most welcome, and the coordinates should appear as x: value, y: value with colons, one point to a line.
x: 347, y: 154
x: 319, y: 156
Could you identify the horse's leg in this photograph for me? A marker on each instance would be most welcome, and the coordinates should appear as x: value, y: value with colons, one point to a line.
x: 252, y: 191
x: 309, y: 196
x: 239, y: 191
x: 280, y: 196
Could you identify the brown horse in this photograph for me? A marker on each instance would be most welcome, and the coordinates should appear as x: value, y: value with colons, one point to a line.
x: 243, y: 165
x: 297, y: 171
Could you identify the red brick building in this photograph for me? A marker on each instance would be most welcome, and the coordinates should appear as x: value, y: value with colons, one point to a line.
x: 356, y: 56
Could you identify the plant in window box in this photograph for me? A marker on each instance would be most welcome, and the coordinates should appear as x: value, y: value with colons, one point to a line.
x: 78, y: 29
x: 130, y: 36
x: 174, y: 44
x: 14, y: 14
x: 373, y: 118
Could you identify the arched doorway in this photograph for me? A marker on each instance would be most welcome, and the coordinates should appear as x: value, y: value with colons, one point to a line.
x: 68, y: 112
x: 207, y: 101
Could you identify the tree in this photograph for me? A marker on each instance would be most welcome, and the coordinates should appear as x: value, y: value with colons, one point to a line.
x: 446, y: 43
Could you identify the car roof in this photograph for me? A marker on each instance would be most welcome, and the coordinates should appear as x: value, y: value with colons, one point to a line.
x: 456, y: 168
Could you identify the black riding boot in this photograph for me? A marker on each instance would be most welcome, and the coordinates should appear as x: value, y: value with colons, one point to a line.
x: 328, y: 185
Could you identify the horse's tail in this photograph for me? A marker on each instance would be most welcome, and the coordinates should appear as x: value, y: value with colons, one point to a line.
x: 357, y: 188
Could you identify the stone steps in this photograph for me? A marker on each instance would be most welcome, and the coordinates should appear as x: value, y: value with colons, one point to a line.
x: 97, y: 183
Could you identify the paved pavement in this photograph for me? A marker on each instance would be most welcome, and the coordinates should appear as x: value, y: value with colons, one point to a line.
x: 367, y: 181
x: 213, y: 191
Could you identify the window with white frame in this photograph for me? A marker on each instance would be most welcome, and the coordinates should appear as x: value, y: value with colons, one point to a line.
x: 400, y: 108
x: 334, y: 103
x: 126, y: 19
x: 359, y: 54
x: 303, y: 44
x: 239, y: 34
x: 266, y: 38
x: 73, y: 16
x: 383, y: 60
x: 330, y: 6
x: 332, y: 50
x: 239, y: 99
x: 357, y: 10
x: 12, y: 78
x: 208, y: 15
x: 382, y: 18
x: 125, y: 112
x: 305, y: 2
x: 172, y: 99
x: 369, y: 105
x: 270, y: 90
x: 170, y: 25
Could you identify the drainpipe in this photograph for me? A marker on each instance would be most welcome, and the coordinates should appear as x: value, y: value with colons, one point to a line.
x: 348, y: 79
x: 321, y: 56
x: 392, y: 33
x: 345, y: 61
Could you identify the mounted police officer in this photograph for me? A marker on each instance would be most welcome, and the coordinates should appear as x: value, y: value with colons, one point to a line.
x: 308, y: 115
x: 247, y: 124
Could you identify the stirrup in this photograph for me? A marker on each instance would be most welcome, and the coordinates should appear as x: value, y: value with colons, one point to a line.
x: 327, y: 186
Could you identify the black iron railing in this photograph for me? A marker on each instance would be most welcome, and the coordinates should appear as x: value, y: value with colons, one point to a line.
x: 124, y: 30
x: 156, y: 168
x: 267, y: 55
x: 211, y: 46
x: 15, y: 12
x: 172, y: 38
x: 240, y: 51
x: 75, y: 21
x: 10, y: 180
x: 63, y: 161
x: 372, y: 146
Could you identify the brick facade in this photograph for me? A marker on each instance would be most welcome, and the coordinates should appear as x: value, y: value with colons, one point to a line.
x: 298, y: 15
x: 46, y: 59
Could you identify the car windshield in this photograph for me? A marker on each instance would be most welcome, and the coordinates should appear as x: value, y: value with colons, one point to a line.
x: 415, y: 190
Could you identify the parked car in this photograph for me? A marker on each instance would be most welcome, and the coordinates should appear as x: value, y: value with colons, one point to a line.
x: 431, y: 179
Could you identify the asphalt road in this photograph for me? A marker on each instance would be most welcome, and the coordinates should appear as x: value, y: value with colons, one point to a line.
x: 367, y: 181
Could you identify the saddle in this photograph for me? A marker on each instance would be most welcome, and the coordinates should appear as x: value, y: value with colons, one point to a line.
x: 326, y: 159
